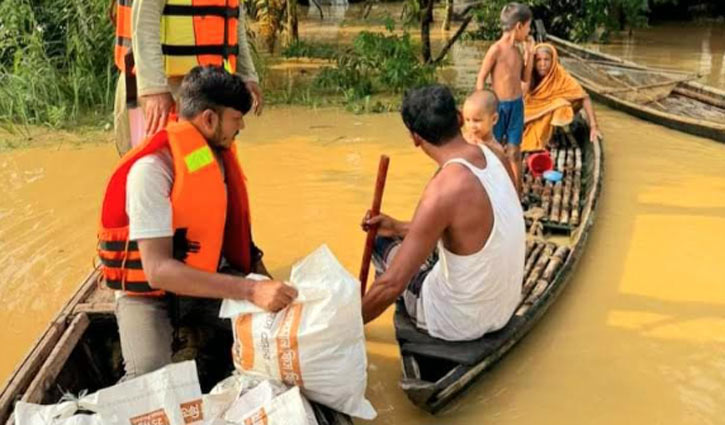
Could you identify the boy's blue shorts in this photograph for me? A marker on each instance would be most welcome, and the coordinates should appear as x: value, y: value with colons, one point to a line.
x: 510, y: 125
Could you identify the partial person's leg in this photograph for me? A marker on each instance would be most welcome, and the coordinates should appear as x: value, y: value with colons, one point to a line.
x: 384, y: 252
x: 205, y: 337
x: 499, y: 129
x: 145, y: 331
x: 384, y: 249
x: 121, y: 127
x: 514, y: 133
x: 411, y: 295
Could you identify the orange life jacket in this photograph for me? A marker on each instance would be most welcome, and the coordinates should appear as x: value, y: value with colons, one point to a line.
x: 123, y: 32
x: 208, y: 218
x: 193, y: 32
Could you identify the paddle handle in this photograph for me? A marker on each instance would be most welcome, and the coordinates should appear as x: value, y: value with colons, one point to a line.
x: 373, y: 230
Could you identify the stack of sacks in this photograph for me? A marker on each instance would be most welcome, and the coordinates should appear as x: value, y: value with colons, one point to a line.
x: 317, y: 343
x: 245, y: 400
x: 172, y: 396
x: 168, y: 396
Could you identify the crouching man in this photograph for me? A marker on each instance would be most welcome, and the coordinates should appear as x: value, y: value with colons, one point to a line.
x: 175, y: 212
x: 470, y: 211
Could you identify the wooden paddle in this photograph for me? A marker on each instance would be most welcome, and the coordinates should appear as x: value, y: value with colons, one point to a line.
x: 373, y: 230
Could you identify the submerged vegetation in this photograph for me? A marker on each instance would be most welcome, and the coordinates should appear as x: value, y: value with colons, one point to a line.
x: 376, y: 62
x: 56, y: 61
x: 306, y: 49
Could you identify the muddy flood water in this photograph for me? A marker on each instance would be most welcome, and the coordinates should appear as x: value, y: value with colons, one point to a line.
x: 638, y: 336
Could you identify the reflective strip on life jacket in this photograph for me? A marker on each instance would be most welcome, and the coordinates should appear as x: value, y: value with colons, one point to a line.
x: 199, y: 32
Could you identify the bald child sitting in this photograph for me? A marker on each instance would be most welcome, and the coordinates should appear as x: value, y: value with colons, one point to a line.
x: 480, y: 114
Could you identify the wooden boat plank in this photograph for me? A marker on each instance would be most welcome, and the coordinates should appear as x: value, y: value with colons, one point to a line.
x: 95, y: 308
x: 57, y: 358
x: 28, y: 368
x: 64, y: 350
x: 647, y: 86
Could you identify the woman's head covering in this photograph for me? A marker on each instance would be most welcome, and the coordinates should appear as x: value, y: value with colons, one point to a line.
x: 557, y: 83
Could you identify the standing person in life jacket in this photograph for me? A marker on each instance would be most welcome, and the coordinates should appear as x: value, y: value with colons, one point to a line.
x: 174, y: 214
x: 157, y: 43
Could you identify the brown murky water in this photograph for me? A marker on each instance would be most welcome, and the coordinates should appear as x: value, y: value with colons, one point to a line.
x: 698, y: 48
x: 637, y: 337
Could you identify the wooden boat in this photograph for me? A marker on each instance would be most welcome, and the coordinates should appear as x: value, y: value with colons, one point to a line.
x: 80, y: 350
x: 663, y: 96
x: 435, y: 371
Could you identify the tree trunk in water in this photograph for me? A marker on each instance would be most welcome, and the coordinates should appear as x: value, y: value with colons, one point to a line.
x: 449, y: 15
x: 293, y: 33
x: 426, y: 10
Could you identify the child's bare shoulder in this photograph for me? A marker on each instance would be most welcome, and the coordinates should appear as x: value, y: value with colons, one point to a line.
x: 494, y: 49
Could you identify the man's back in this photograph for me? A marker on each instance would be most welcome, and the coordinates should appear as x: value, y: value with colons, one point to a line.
x: 476, y: 285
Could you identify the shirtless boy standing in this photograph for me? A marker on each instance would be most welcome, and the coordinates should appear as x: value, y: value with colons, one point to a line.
x: 508, y: 69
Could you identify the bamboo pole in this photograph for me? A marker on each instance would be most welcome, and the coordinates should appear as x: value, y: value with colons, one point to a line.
x: 546, y: 197
x: 576, y: 191
x: 556, y: 202
x: 375, y: 210
x: 575, y: 200
x: 555, y: 261
x: 538, y: 290
x: 530, y: 244
x: 538, y: 269
x: 531, y: 260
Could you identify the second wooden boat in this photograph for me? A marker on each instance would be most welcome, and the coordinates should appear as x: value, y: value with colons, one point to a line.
x: 436, y: 371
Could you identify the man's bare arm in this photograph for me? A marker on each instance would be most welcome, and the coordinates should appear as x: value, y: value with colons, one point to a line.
x: 430, y: 220
x: 166, y: 273
x: 486, y: 66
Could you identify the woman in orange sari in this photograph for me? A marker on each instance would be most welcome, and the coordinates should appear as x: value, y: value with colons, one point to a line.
x: 551, y: 99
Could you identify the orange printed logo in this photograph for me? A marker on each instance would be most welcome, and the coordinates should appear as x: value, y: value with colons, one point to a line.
x: 157, y: 417
x: 243, y: 350
x: 257, y: 418
x: 192, y: 411
x: 288, y: 354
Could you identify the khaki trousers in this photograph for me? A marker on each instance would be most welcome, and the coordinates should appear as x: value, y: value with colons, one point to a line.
x: 147, y: 325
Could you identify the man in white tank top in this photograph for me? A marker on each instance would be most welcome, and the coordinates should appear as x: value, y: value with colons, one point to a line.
x: 459, y: 263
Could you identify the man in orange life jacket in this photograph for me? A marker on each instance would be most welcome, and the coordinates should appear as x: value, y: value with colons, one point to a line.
x: 175, y: 212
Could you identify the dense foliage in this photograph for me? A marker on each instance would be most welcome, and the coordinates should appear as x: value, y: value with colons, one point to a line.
x: 580, y: 20
x: 55, y: 60
x: 376, y: 62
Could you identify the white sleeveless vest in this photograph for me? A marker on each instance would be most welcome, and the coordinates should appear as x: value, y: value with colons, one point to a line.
x: 464, y: 297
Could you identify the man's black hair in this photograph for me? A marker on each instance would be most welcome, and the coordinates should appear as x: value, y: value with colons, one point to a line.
x: 514, y: 13
x: 431, y: 113
x: 211, y: 87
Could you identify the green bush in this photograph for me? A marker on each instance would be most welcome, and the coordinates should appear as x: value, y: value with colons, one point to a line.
x: 306, y: 49
x: 376, y: 62
x: 56, y: 60
x: 576, y: 20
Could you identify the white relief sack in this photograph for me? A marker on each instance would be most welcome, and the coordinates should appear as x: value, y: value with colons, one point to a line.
x: 285, y: 409
x: 316, y: 343
x: 54, y: 414
x: 168, y: 396
x: 239, y: 394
